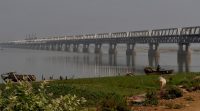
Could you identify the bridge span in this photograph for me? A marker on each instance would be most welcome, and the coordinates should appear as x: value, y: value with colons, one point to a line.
x: 181, y: 36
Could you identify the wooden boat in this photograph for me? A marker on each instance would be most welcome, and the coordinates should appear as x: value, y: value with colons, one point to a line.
x: 151, y: 70
x: 13, y: 76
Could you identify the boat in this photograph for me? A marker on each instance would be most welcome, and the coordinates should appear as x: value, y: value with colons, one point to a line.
x: 13, y: 76
x: 152, y: 70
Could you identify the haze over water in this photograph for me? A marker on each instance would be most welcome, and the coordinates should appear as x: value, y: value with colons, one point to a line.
x: 84, y: 65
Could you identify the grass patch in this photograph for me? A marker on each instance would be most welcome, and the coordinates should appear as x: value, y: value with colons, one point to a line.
x: 96, y: 90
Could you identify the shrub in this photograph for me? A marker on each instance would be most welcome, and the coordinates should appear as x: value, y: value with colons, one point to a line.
x: 174, y: 106
x: 113, y: 102
x: 20, y: 96
x: 151, y: 98
x: 172, y: 92
x: 191, y: 85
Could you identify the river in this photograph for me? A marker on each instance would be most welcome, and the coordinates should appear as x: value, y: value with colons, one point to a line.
x: 85, y: 65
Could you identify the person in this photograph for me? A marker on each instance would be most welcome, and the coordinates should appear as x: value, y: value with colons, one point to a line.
x: 158, y: 68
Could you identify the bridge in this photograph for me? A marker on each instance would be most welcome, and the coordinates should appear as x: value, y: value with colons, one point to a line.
x: 182, y: 36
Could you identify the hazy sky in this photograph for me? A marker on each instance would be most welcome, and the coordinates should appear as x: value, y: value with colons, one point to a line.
x: 59, y: 17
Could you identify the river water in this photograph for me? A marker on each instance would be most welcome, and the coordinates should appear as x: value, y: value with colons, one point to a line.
x: 84, y: 65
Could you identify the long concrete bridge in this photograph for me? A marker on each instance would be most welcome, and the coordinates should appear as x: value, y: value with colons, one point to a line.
x: 182, y: 36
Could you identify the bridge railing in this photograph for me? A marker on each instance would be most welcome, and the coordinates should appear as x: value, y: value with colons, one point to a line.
x: 190, y: 30
x: 89, y: 36
x: 165, y: 32
x: 185, y: 31
x: 103, y: 35
x: 144, y: 33
x: 119, y: 34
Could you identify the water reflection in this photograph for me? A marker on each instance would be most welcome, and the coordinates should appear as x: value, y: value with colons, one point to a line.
x: 98, y: 59
x: 92, y: 65
x: 113, y: 59
x: 49, y: 63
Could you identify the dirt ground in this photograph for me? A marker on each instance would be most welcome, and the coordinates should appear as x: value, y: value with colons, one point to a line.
x: 189, y: 102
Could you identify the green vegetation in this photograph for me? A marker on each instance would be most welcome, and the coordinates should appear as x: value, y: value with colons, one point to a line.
x: 151, y: 98
x: 172, y: 92
x: 110, y: 92
x: 21, y: 97
x: 96, y: 90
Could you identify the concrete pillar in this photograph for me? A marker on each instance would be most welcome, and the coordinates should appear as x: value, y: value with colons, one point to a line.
x: 130, y: 54
x: 184, y: 57
x: 75, y: 47
x: 49, y: 47
x: 67, y: 47
x: 59, y: 47
x: 97, y: 49
x: 153, y: 54
x: 130, y: 49
x: 130, y: 60
x: 53, y: 47
x: 85, y: 48
x: 35, y: 46
x: 112, y: 49
x: 112, y: 54
x: 46, y: 46
x: 42, y: 46
x: 38, y: 47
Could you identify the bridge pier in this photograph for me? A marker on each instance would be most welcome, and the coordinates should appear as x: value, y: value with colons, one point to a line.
x: 130, y: 49
x: 75, y: 47
x: 85, y: 48
x: 42, y: 47
x: 97, y: 49
x: 37, y: 48
x: 112, y: 54
x: 59, y: 47
x: 184, y: 57
x: 53, y: 47
x: 67, y: 47
x: 112, y: 49
x: 130, y: 54
x: 153, y: 54
x: 130, y: 60
x: 46, y: 46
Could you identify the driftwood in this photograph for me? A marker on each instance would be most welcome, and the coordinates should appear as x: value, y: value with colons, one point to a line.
x: 13, y: 76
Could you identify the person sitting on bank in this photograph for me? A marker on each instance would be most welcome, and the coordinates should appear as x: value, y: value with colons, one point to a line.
x: 158, y: 68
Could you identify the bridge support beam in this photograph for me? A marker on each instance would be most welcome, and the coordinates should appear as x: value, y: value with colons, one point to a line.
x: 46, y: 46
x: 130, y: 49
x: 59, y: 47
x: 97, y: 49
x: 112, y: 54
x: 85, y: 48
x: 184, y: 57
x: 130, y: 54
x: 153, y: 54
x: 53, y: 47
x: 112, y: 49
x: 42, y: 47
x: 75, y: 47
x: 67, y: 47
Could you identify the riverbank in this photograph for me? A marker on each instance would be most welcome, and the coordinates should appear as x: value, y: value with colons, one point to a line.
x: 96, y: 90
x: 120, y: 85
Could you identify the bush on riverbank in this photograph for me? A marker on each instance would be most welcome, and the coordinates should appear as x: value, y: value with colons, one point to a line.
x: 172, y: 92
x: 21, y: 97
x: 113, y: 102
